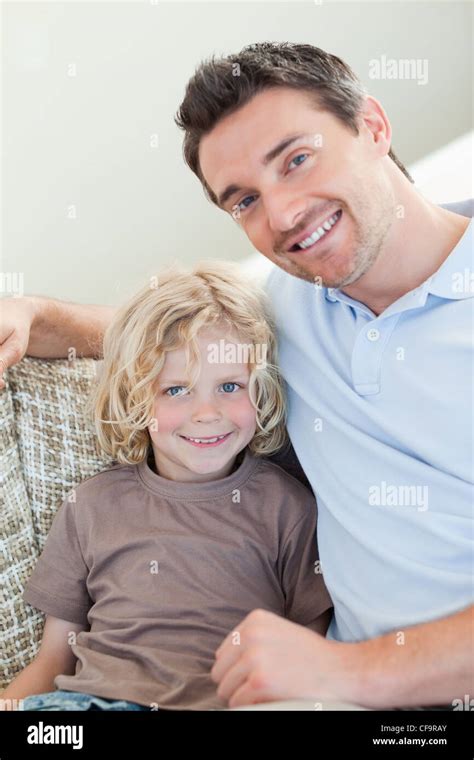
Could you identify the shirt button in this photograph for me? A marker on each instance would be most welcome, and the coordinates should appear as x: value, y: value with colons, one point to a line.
x: 373, y: 334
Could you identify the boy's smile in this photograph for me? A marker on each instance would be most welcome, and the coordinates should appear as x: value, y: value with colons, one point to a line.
x: 196, y: 434
x: 207, y: 442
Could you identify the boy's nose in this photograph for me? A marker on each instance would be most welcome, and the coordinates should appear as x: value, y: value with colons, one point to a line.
x: 206, y: 412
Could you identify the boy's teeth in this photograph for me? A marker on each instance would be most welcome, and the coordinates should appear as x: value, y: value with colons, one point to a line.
x: 206, y: 440
x: 319, y: 232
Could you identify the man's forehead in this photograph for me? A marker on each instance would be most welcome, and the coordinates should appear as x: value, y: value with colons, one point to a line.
x: 243, y: 138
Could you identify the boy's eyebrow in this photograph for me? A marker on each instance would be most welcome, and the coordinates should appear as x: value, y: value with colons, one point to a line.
x: 232, y: 189
x: 225, y: 379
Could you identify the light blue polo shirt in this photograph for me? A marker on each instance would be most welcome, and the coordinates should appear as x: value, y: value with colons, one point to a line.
x: 381, y: 418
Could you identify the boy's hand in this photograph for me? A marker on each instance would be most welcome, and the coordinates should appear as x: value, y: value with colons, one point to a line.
x: 268, y: 658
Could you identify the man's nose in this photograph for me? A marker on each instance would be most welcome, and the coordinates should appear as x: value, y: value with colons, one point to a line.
x: 284, y: 209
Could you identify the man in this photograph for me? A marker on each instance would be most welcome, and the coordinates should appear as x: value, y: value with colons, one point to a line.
x: 375, y: 345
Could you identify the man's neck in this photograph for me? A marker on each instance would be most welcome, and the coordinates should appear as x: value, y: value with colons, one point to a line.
x: 415, y: 248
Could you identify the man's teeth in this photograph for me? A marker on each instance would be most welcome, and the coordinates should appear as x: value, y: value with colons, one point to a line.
x: 319, y: 232
x: 206, y: 440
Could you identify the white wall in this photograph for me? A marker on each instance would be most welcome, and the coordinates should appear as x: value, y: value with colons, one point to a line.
x: 83, y: 141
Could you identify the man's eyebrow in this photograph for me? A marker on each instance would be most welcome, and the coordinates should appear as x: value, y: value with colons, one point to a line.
x: 231, y: 190
x: 227, y: 193
x: 282, y: 145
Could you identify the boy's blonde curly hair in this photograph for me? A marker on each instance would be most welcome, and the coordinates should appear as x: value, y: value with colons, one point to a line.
x: 166, y: 315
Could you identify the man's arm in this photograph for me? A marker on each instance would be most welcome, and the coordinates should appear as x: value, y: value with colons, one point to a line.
x: 48, y: 329
x: 58, y: 326
x: 426, y: 664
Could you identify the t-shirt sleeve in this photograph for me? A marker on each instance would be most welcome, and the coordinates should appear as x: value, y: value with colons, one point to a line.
x: 58, y: 584
x: 306, y: 595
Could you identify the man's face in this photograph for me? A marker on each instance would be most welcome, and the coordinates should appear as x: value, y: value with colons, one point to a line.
x: 328, y: 170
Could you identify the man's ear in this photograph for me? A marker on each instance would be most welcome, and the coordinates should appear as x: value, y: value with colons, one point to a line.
x: 375, y: 125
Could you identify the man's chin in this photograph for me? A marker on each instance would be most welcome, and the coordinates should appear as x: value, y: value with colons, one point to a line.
x: 304, y: 272
x: 342, y: 279
x: 320, y: 280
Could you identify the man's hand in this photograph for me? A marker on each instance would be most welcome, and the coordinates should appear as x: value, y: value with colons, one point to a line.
x: 16, y: 318
x: 268, y: 658
x: 50, y: 329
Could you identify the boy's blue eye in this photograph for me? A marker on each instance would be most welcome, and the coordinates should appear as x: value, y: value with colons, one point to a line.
x: 300, y: 155
x: 172, y: 389
x: 224, y: 384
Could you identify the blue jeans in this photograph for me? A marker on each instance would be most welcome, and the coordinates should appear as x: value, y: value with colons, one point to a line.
x: 74, y: 700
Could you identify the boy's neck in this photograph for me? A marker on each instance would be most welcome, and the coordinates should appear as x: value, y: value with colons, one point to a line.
x: 152, y: 463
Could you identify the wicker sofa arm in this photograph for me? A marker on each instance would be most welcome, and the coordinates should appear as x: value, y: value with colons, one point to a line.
x: 46, y: 448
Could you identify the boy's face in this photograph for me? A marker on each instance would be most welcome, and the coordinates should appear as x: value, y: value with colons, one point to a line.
x: 218, y: 405
x: 284, y: 199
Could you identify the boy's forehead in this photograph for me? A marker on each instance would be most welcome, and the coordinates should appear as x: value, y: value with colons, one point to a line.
x: 210, y: 344
x: 215, y: 363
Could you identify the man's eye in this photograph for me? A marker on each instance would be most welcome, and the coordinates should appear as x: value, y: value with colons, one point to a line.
x: 243, y: 203
x: 172, y: 388
x: 227, y: 384
x: 300, y: 155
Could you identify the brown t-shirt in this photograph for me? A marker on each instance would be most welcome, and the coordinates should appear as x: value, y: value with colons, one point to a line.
x: 159, y: 572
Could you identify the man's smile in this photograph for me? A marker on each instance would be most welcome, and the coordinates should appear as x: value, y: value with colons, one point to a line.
x: 315, y: 232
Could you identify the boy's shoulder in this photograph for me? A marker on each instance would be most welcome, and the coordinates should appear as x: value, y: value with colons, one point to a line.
x: 287, y: 460
x: 111, y: 477
x: 285, y: 480
x: 285, y: 497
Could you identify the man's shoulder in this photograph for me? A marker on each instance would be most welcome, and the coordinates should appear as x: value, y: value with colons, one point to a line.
x: 287, y: 292
x: 464, y: 208
x: 278, y: 281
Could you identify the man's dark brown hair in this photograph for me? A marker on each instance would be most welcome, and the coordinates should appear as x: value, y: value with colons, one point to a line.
x: 223, y: 85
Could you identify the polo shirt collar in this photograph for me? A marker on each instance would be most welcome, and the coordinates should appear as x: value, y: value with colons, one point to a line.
x: 455, y: 277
